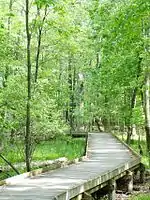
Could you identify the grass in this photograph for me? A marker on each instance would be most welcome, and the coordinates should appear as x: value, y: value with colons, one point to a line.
x: 70, y: 148
x: 141, y: 197
x: 48, y: 150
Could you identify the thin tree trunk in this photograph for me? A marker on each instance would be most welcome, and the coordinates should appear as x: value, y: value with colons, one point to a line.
x: 8, y: 24
x: 40, y: 29
x: 147, y: 112
x: 73, y: 96
x: 9, y: 163
x: 38, y: 54
x: 10, y: 10
x: 146, y: 34
x: 70, y: 83
x: 133, y: 102
x: 98, y: 60
x: 28, y: 113
x: 7, y: 66
x: 59, y: 101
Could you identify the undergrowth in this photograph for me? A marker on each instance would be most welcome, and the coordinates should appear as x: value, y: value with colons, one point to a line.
x: 46, y: 150
x: 141, y: 197
x: 135, y: 146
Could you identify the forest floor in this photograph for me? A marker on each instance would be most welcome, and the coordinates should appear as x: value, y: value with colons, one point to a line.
x: 140, y: 192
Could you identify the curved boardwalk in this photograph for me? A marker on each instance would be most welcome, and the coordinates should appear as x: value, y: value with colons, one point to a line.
x: 107, y: 158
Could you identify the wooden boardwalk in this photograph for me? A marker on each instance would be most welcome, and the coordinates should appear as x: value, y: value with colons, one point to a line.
x: 107, y: 158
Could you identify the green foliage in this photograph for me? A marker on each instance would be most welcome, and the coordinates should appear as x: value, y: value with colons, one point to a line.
x: 135, y: 146
x: 64, y: 147
x: 64, y: 37
x: 46, y: 119
x: 47, y: 150
x: 41, y: 3
x: 141, y: 197
x: 119, y: 39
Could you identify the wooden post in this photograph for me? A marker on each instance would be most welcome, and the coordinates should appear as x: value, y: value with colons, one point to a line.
x: 142, y: 173
x: 84, y: 196
x: 79, y: 197
x: 112, y: 190
x: 87, y: 196
x: 129, y: 181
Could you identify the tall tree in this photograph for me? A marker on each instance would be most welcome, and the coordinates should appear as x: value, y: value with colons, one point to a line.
x: 146, y: 34
x: 28, y: 110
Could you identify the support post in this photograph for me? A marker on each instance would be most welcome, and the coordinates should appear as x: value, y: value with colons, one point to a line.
x: 79, y: 197
x: 142, y: 173
x: 87, y: 196
x: 129, y: 181
x: 84, y: 196
x: 112, y: 190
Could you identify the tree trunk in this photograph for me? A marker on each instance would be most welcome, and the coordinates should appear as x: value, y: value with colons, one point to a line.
x: 146, y: 34
x: 74, y: 97
x: 59, y: 90
x: 130, y: 129
x: 133, y: 103
x: 38, y: 54
x: 10, y: 164
x: 10, y: 10
x: 147, y: 112
x: 39, y: 39
x: 7, y: 71
x: 70, y: 83
x: 28, y: 108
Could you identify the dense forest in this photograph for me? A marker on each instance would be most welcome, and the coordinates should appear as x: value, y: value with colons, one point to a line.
x: 73, y: 66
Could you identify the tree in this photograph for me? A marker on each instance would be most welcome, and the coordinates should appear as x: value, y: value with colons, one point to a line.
x: 146, y: 34
x: 28, y: 116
